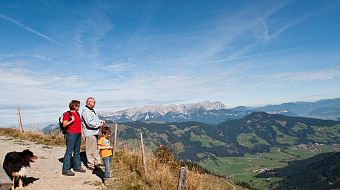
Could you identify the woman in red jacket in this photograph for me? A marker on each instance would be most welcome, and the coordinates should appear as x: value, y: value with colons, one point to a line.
x: 73, y: 139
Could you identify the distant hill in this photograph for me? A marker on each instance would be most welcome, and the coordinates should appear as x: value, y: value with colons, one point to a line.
x: 51, y: 128
x: 318, y: 173
x: 217, y: 112
x: 322, y: 109
x: 254, y: 133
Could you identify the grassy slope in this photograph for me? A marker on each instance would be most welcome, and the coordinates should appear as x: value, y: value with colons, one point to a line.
x: 127, y: 171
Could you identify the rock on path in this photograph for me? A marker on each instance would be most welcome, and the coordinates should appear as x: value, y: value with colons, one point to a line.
x: 45, y: 172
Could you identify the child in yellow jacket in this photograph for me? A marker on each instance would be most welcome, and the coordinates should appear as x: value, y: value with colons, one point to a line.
x: 105, y: 151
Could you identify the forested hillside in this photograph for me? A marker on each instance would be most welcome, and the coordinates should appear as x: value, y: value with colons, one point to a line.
x: 317, y: 173
x: 255, y: 133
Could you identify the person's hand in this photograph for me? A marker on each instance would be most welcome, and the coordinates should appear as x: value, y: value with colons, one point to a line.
x: 82, y: 137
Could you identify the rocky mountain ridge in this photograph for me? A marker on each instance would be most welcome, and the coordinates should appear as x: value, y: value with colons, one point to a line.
x: 216, y: 112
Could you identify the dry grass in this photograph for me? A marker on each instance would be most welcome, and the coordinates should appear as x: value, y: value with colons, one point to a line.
x: 35, y: 136
x: 54, y: 139
x: 162, y: 173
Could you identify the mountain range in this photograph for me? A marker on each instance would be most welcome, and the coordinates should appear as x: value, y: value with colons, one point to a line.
x: 217, y: 112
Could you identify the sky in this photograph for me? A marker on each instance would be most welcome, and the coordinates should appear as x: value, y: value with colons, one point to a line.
x: 133, y: 53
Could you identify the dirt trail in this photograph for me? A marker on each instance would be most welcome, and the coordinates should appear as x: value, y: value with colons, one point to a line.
x: 45, y: 173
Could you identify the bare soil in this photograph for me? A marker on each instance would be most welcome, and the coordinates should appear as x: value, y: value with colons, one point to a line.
x: 45, y: 172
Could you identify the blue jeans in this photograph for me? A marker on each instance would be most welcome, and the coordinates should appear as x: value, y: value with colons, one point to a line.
x: 107, y: 162
x: 72, y: 145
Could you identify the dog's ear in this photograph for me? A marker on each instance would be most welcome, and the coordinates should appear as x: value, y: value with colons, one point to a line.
x: 27, y: 150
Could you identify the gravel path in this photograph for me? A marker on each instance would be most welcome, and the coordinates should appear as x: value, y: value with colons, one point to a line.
x: 45, y: 173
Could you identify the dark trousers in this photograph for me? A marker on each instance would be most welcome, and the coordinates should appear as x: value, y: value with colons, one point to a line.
x: 73, y: 142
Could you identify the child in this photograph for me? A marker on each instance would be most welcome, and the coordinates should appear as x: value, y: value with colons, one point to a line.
x: 105, y: 150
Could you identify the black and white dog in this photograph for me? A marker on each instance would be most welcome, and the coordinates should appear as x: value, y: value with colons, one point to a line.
x: 15, y: 165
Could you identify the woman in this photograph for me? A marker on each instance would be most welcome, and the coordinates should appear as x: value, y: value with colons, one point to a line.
x: 73, y: 139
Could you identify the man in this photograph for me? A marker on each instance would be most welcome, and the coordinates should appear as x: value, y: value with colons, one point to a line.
x: 91, y: 125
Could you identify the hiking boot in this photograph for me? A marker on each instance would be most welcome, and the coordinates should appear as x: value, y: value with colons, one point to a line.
x: 105, y: 181
x: 80, y: 170
x: 68, y: 173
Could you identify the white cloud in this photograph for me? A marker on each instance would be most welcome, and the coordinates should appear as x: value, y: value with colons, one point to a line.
x: 15, y: 75
x: 19, y: 77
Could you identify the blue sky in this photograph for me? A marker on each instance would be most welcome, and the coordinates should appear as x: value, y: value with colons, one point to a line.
x: 130, y: 53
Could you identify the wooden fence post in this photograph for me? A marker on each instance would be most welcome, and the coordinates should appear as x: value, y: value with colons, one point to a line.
x: 115, y: 139
x: 19, y: 121
x: 143, y: 155
x: 181, y: 178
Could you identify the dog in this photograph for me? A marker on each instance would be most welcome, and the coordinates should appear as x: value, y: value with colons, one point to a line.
x: 16, y: 164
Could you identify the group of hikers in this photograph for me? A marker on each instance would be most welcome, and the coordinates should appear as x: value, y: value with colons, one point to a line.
x: 86, y: 127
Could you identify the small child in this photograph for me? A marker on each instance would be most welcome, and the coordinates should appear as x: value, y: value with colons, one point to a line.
x: 105, y: 150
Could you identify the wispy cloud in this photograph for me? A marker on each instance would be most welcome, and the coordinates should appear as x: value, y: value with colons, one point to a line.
x: 226, y: 39
x: 268, y: 36
x: 146, y: 87
x: 18, y: 77
x: 14, y: 75
x: 304, y: 76
x: 118, y: 68
x: 88, y: 35
x: 28, y: 28
x: 239, y: 55
x: 33, y: 90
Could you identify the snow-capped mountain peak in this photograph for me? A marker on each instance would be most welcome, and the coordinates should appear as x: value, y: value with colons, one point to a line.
x: 164, y: 109
x: 172, y: 112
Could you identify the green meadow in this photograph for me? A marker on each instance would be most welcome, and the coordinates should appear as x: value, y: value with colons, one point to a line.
x: 243, y: 168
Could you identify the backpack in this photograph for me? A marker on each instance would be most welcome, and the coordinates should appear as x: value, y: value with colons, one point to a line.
x: 62, y: 128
